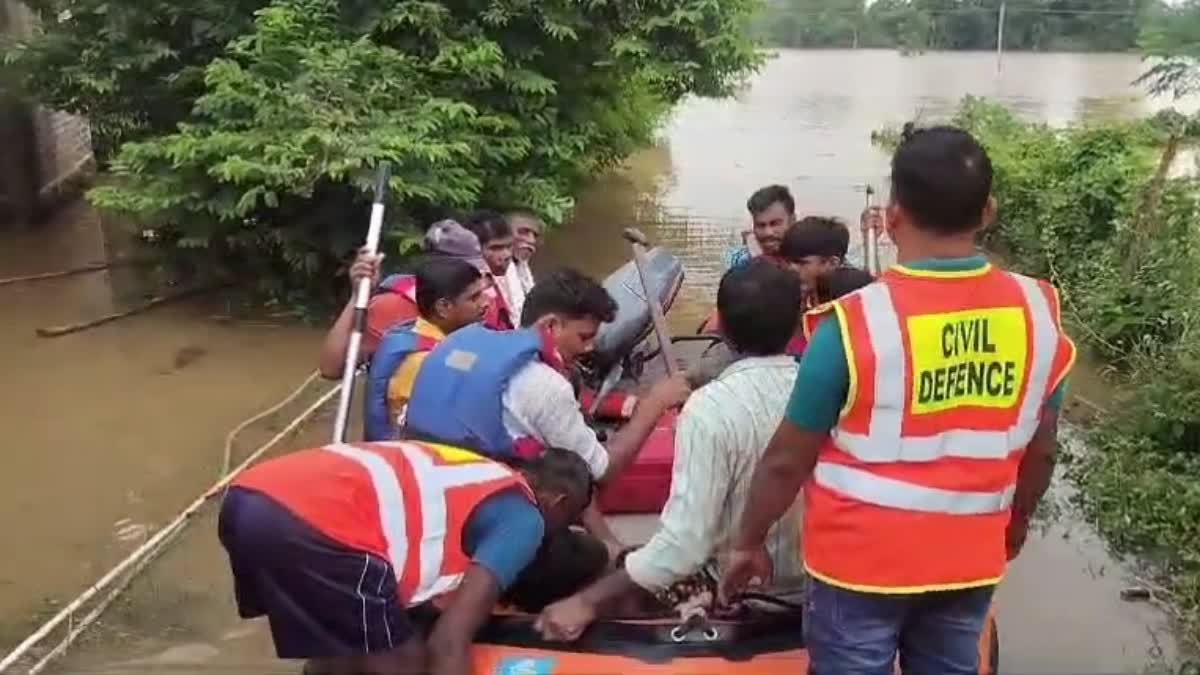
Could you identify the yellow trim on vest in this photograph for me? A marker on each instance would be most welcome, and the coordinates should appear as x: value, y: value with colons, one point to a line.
x: 848, y: 351
x: 1058, y: 380
x: 1057, y: 305
x: 452, y: 454
x: 902, y: 590
x: 815, y: 311
x: 1061, y: 376
x: 943, y: 274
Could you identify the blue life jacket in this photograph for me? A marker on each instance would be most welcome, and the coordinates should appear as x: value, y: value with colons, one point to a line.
x: 396, y: 345
x: 456, y: 398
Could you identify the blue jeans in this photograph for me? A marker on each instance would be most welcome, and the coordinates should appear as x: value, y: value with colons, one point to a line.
x: 852, y: 633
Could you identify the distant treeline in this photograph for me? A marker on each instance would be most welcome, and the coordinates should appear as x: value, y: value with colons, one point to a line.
x: 917, y: 25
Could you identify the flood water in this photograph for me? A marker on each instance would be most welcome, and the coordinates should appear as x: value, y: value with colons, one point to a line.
x: 112, y: 431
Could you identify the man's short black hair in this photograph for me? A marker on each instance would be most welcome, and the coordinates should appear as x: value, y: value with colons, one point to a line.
x: 561, y: 471
x: 567, y: 560
x: 441, y: 277
x: 759, y: 306
x: 488, y: 225
x: 841, y: 281
x: 763, y: 198
x: 571, y: 294
x: 942, y: 177
x: 835, y: 225
x: 801, y: 241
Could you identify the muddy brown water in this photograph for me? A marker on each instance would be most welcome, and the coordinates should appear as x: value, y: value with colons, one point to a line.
x: 112, y: 431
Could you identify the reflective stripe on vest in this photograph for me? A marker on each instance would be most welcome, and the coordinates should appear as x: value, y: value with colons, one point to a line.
x: 432, y: 482
x: 883, y: 491
x: 884, y: 441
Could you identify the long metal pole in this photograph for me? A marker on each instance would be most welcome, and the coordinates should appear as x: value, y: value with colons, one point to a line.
x: 1000, y: 37
x: 361, y: 295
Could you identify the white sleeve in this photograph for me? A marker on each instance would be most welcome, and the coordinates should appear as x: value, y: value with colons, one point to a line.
x: 700, y: 487
x: 539, y: 403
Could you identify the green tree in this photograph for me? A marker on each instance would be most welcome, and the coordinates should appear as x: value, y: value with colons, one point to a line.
x: 914, y: 25
x: 1171, y: 36
x: 134, y: 68
x: 899, y: 23
x: 259, y: 166
x: 813, y: 23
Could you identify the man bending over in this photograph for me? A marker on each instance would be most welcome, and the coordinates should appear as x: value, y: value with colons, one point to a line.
x: 321, y: 542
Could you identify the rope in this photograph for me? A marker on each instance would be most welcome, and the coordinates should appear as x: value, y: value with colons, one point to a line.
x: 138, y: 559
x: 228, y: 458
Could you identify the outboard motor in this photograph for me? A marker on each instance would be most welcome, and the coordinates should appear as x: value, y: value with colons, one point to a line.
x: 632, y: 324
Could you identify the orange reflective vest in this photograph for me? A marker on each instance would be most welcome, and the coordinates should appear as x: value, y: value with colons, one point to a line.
x: 949, y: 373
x: 404, y: 502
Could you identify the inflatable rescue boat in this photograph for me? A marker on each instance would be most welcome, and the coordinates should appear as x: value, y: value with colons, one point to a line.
x: 760, y: 640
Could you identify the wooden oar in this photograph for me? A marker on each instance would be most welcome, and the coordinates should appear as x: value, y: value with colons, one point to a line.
x: 639, y: 244
x: 751, y: 243
x: 361, y: 295
x: 870, y: 239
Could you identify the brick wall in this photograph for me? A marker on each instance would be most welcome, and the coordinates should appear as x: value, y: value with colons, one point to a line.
x: 64, y: 150
x: 63, y: 142
x: 15, y: 19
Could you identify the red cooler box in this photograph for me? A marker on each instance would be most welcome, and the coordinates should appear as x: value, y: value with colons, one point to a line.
x: 644, y: 486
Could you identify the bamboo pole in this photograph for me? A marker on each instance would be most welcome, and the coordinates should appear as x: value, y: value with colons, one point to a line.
x: 72, y: 271
x: 150, y: 545
x: 67, y: 329
x: 78, y: 628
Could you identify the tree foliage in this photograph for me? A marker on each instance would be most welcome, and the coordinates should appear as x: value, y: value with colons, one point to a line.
x: 1171, y: 37
x: 247, y: 130
x: 1071, y: 209
x: 1073, y: 203
x: 915, y: 25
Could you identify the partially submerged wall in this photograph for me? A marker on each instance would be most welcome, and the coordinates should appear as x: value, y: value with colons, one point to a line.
x: 47, y: 151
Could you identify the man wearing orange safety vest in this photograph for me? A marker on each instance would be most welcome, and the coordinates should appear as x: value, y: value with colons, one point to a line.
x: 336, y: 545
x: 922, y: 427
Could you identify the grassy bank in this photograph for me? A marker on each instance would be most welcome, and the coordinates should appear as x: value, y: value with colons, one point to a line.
x: 1091, y: 207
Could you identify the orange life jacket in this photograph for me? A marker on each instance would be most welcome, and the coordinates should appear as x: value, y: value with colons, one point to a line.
x: 405, y: 502
x: 949, y: 373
